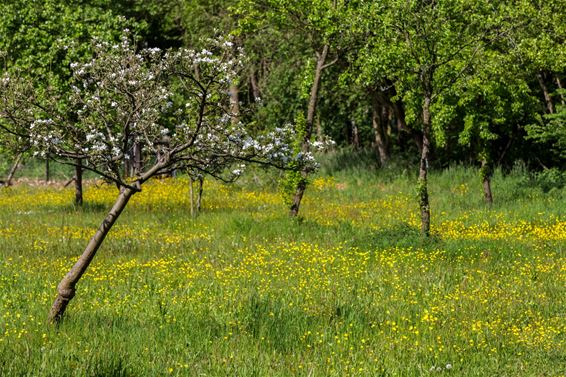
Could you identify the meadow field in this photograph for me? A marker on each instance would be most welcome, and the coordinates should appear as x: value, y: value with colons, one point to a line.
x: 348, y: 289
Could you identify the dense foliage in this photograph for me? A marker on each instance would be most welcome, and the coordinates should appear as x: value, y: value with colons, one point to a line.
x: 498, y: 69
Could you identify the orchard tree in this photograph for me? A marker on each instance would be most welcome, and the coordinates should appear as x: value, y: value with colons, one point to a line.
x: 485, y: 111
x: 15, y: 117
x: 153, y: 99
x: 423, y: 48
x: 316, y: 25
x: 41, y: 39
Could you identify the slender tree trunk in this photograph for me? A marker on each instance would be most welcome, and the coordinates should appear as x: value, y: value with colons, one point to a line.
x: 13, y: 169
x: 47, y: 170
x: 199, y: 194
x: 302, y: 185
x: 486, y: 180
x: 127, y: 166
x: 423, y: 168
x: 79, y: 182
x: 165, y: 141
x: 355, y: 135
x: 66, y: 288
x: 380, y: 136
x: 192, y: 196
x: 235, y: 103
x: 546, y: 93
x: 138, y: 165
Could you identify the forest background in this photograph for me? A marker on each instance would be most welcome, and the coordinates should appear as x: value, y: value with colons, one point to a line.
x: 480, y: 83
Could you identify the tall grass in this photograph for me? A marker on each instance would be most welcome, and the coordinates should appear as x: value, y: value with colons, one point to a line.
x: 348, y: 289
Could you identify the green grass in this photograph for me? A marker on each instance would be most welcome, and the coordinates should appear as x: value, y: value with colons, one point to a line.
x: 348, y: 289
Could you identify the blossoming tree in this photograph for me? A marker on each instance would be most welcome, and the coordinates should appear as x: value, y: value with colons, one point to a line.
x: 155, y: 105
x: 15, y: 115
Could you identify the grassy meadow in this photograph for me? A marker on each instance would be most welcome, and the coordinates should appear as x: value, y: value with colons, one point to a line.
x: 348, y: 289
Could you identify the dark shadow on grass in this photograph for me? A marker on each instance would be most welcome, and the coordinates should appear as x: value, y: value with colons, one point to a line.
x: 271, y: 319
x: 400, y: 235
x: 288, y: 229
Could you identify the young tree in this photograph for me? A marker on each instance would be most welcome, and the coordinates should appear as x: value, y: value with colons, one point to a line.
x: 423, y: 48
x: 123, y: 97
x: 315, y: 24
x: 488, y: 109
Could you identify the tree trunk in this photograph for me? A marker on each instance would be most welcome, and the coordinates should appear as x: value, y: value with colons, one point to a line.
x: 355, y: 135
x: 234, y: 103
x: 127, y: 166
x: 13, y: 169
x: 138, y: 165
x: 379, y: 132
x: 165, y: 142
x: 487, y: 190
x: 66, y: 287
x: 546, y: 93
x: 423, y: 168
x: 302, y: 185
x: 485, y: 173
x: 199, y: 194
x: 47, y: 170
x: 192, y: 197
x: 79, y: 182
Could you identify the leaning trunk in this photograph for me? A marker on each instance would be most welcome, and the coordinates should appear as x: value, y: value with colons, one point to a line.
x: 79, y: 182
x: 13, y: 169
x: 302, y: 185
x: 423, y: 169
x: 66, y: 287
